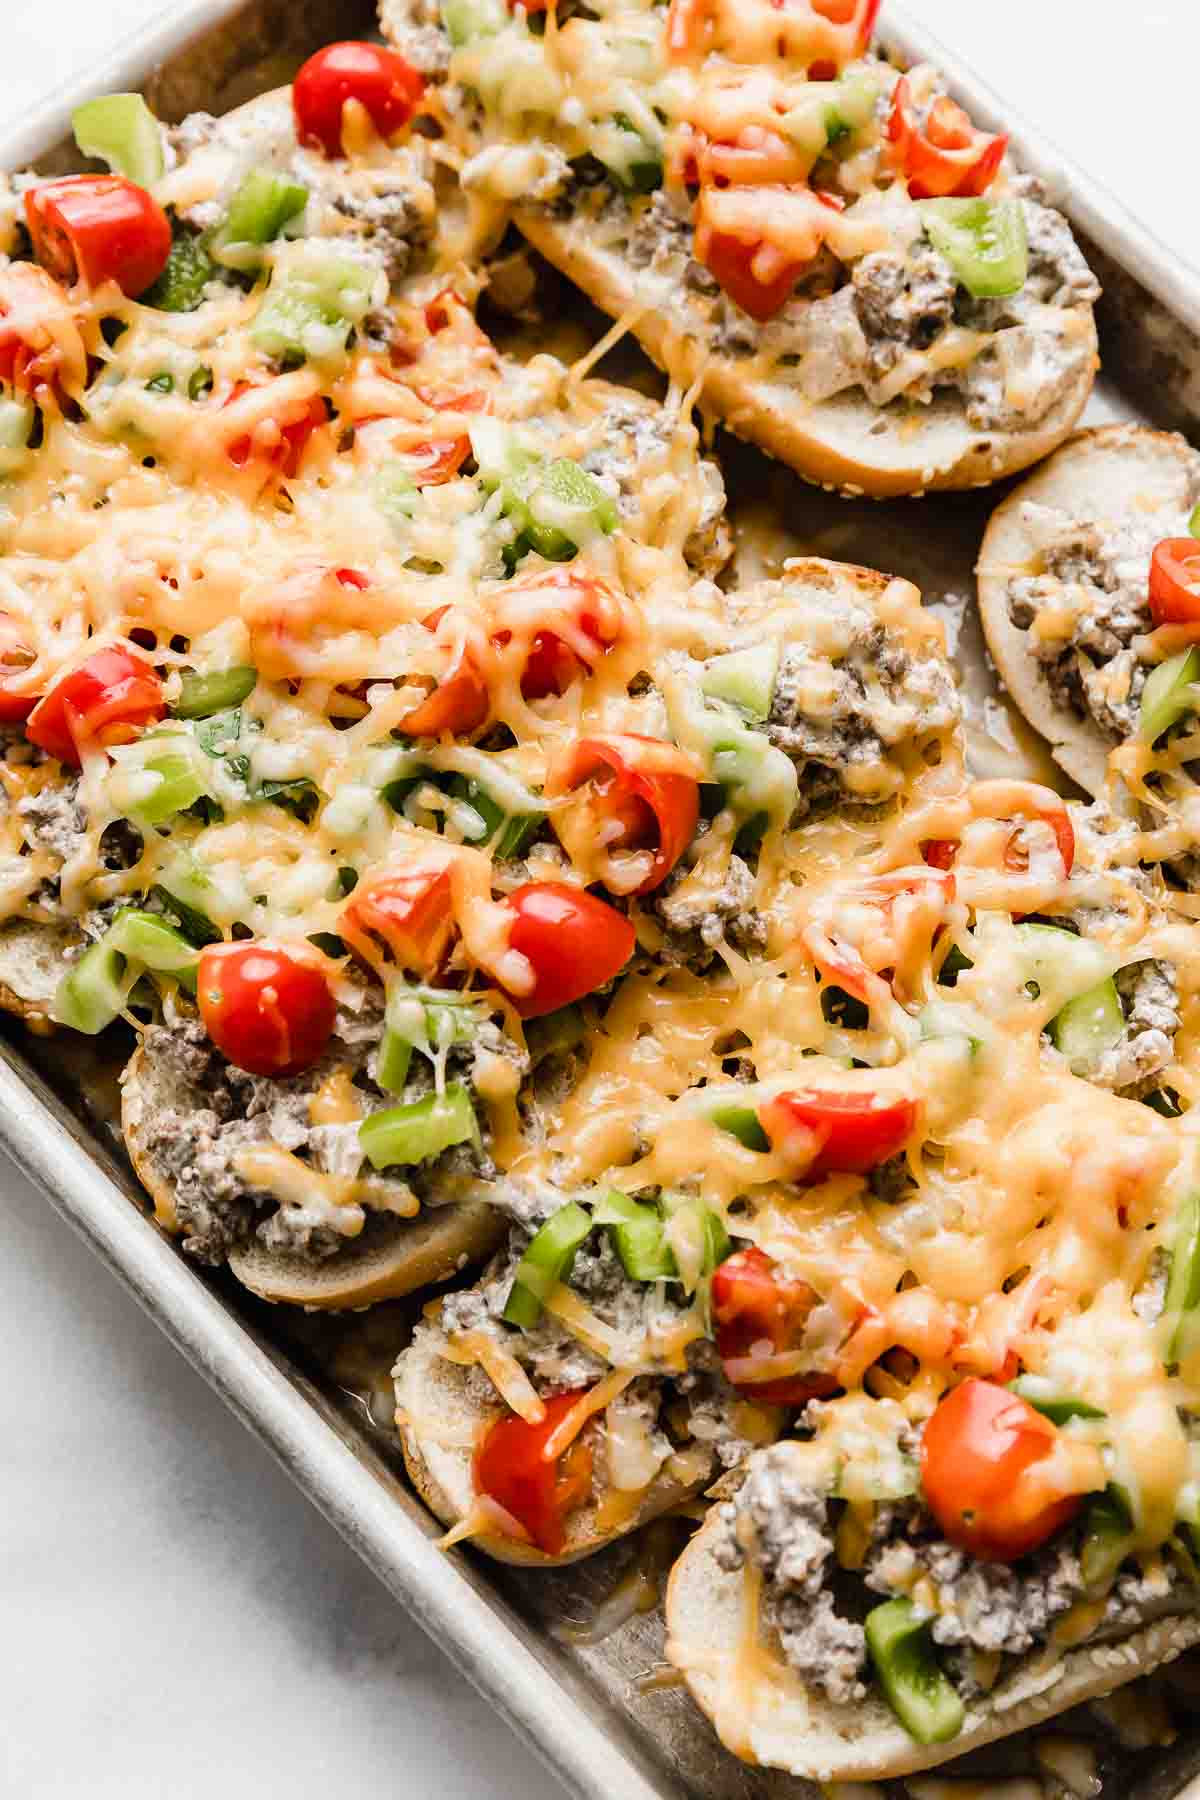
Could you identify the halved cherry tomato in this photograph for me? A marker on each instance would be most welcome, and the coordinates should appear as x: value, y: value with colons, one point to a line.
x: 408, y: 911
x: 512, y: 1469
x: 458, y: 704
x: 433, y: 463
x: 15, y: 658
x: 759, y: 1312
x: 732, y: 262
x: 947, y: 156
x: 298, y: 419
x: 40, y: 341
x: 97, y: 228
x: 553, y: 662
x: 383, y: 82
x: 574, y: 942
x: 647, y: 794
x: 106, y: 700
x: 1175, y: 582
x: 984, y: 1457
x: 850, y: 1130
x: 940, y: 853
x: 267, y: 1007
x: 1004, y: 799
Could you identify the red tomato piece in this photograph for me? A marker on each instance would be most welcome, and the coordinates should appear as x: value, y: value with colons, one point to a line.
x: 383, y: 82
x: 945, y: 157
x: 843, y: 12
x: 458, y: 704
x: 436, y: 462
x: 107, y: 700
x: 983, y: 1457
x: 15, y: 658
x: 553, y: 664
x: 574, y: 942
x: 854, y: 1130
x: 512, y: 1469
x: 98, y: 228
x: 731, y: 261
x: 1175, y: 582
x: 758, y: 1312
x: 267, y: 1007
x: 940, y: 853
x: 646, y: 788
x: 408, y: 911
x: 296, y: 426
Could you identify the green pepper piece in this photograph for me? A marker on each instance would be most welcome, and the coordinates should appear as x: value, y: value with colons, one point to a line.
x: 189, y: 269
x: 161, y: 384
x: 396, y: 495
x: 121, y: 130
x: 1182, y: 1305
x: 314, y: 301
x: 301, y: 797
x: 635, y: 1229
x: 746, y: 678
x: 717, y: 1242
x: 742, y: 1122
x: 1169, y: 695
x: 984, y: 241
x: 1059, y: 1408
x: 467, y: 19
x: 200, y: 696
x: 1060, y: 965
x: 195, y: 925
x: 1107, y: 1535
x: 96, y: 990
x: 565, y: 509
x: 548, y: 1260
x: 149, y: 941
x: 634, y: 164
x: 1089, y: 1025
x: 263, y: 204
x: 509, y: 834
x: 178, y: 787
x: 401, y: 1136
x: 392, y: 1065
x: 199, y: 382
x: 914, y: 1684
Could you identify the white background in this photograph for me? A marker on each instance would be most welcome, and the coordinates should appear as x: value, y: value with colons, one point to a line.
x: 178, y: 1624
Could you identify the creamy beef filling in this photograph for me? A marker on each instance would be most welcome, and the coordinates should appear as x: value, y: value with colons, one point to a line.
x: 217, y: 1112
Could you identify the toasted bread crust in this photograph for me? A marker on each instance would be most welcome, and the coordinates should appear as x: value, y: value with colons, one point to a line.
x: 1098, y: 470
x: 780, y: 1725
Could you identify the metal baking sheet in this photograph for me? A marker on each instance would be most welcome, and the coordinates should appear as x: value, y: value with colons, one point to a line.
x: 306, y: 1386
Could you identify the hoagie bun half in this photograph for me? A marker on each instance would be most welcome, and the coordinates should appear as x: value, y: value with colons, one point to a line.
x: 762, y: 1712
x: 847, y: 442
x: 1099, y: 474
x: 441, y: 1421
x: 392, y: 1256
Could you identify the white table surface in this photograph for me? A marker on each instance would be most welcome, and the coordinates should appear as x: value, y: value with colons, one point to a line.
x: 179, y: 1623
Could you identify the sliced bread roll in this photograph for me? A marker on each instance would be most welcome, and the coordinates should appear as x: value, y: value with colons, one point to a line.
x: 763, y: 1713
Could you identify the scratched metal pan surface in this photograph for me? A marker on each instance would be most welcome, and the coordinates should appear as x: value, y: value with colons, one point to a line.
x: 304, y: 1388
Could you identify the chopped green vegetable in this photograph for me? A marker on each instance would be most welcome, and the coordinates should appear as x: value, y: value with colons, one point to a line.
x: 746, y: 678
x: 121, y: 130
x: 954, y: 964
x: 315, y: 299
x: 199, y: 382
x: 1107, y: 1536
x: 984, y: 241
x: 555, y: 1034
x: 547, y: 1261
x: 180, y: 287
x: 200, y: 696
x: 396, y: 494
x: 509, y: 835
x: 915, y: 1686
x: 563, y: 510
x: 1194, y: 522
x: 1182, y: 1307
x: 1059, y: 965
x: 467, y: 19
x: 742, y: 1122
x: 96, y: 990
x: 263, y: 204
x: 400, y: 1136
x: 161, y: 384
x: 1169, y: 695
x: 178, y: 786
x: 1057, y: 1407
x: 1089, y: 1025
x: 637, y: 1234
x: 426, y: 1019
x: 195, y: 925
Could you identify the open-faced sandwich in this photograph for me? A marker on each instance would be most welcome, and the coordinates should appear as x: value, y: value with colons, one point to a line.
x: 994, y: 1515
x: 853, y: 274
x: 1089, y: 590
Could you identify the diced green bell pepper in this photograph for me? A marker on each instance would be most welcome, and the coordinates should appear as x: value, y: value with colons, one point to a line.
x: 742, y: 1122
x: 1107, y: 1535
x: 984, y: 241
x: 509, y: 835
x: 1089, y: 1025
x: 467, y: 19
x: 201, y: 696
x: 396, y: 494
x: 401, y: 1136
x: 1169, y: 695
x: 547, y: 1261
x: 746, y: 678
x: 1040, y: 1394
x: 264, y: 203
x: 1182, y: 1305
x: 1061, y: 965
x: 914, y: 1684
x: 121, y: 130
x: 195, y: 925
x: 180, y: 287
x: 315, y: 299
x: 424, y: 1019
x: 96, y: 990
x: 179, y: 786
x: 636, y: 1231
